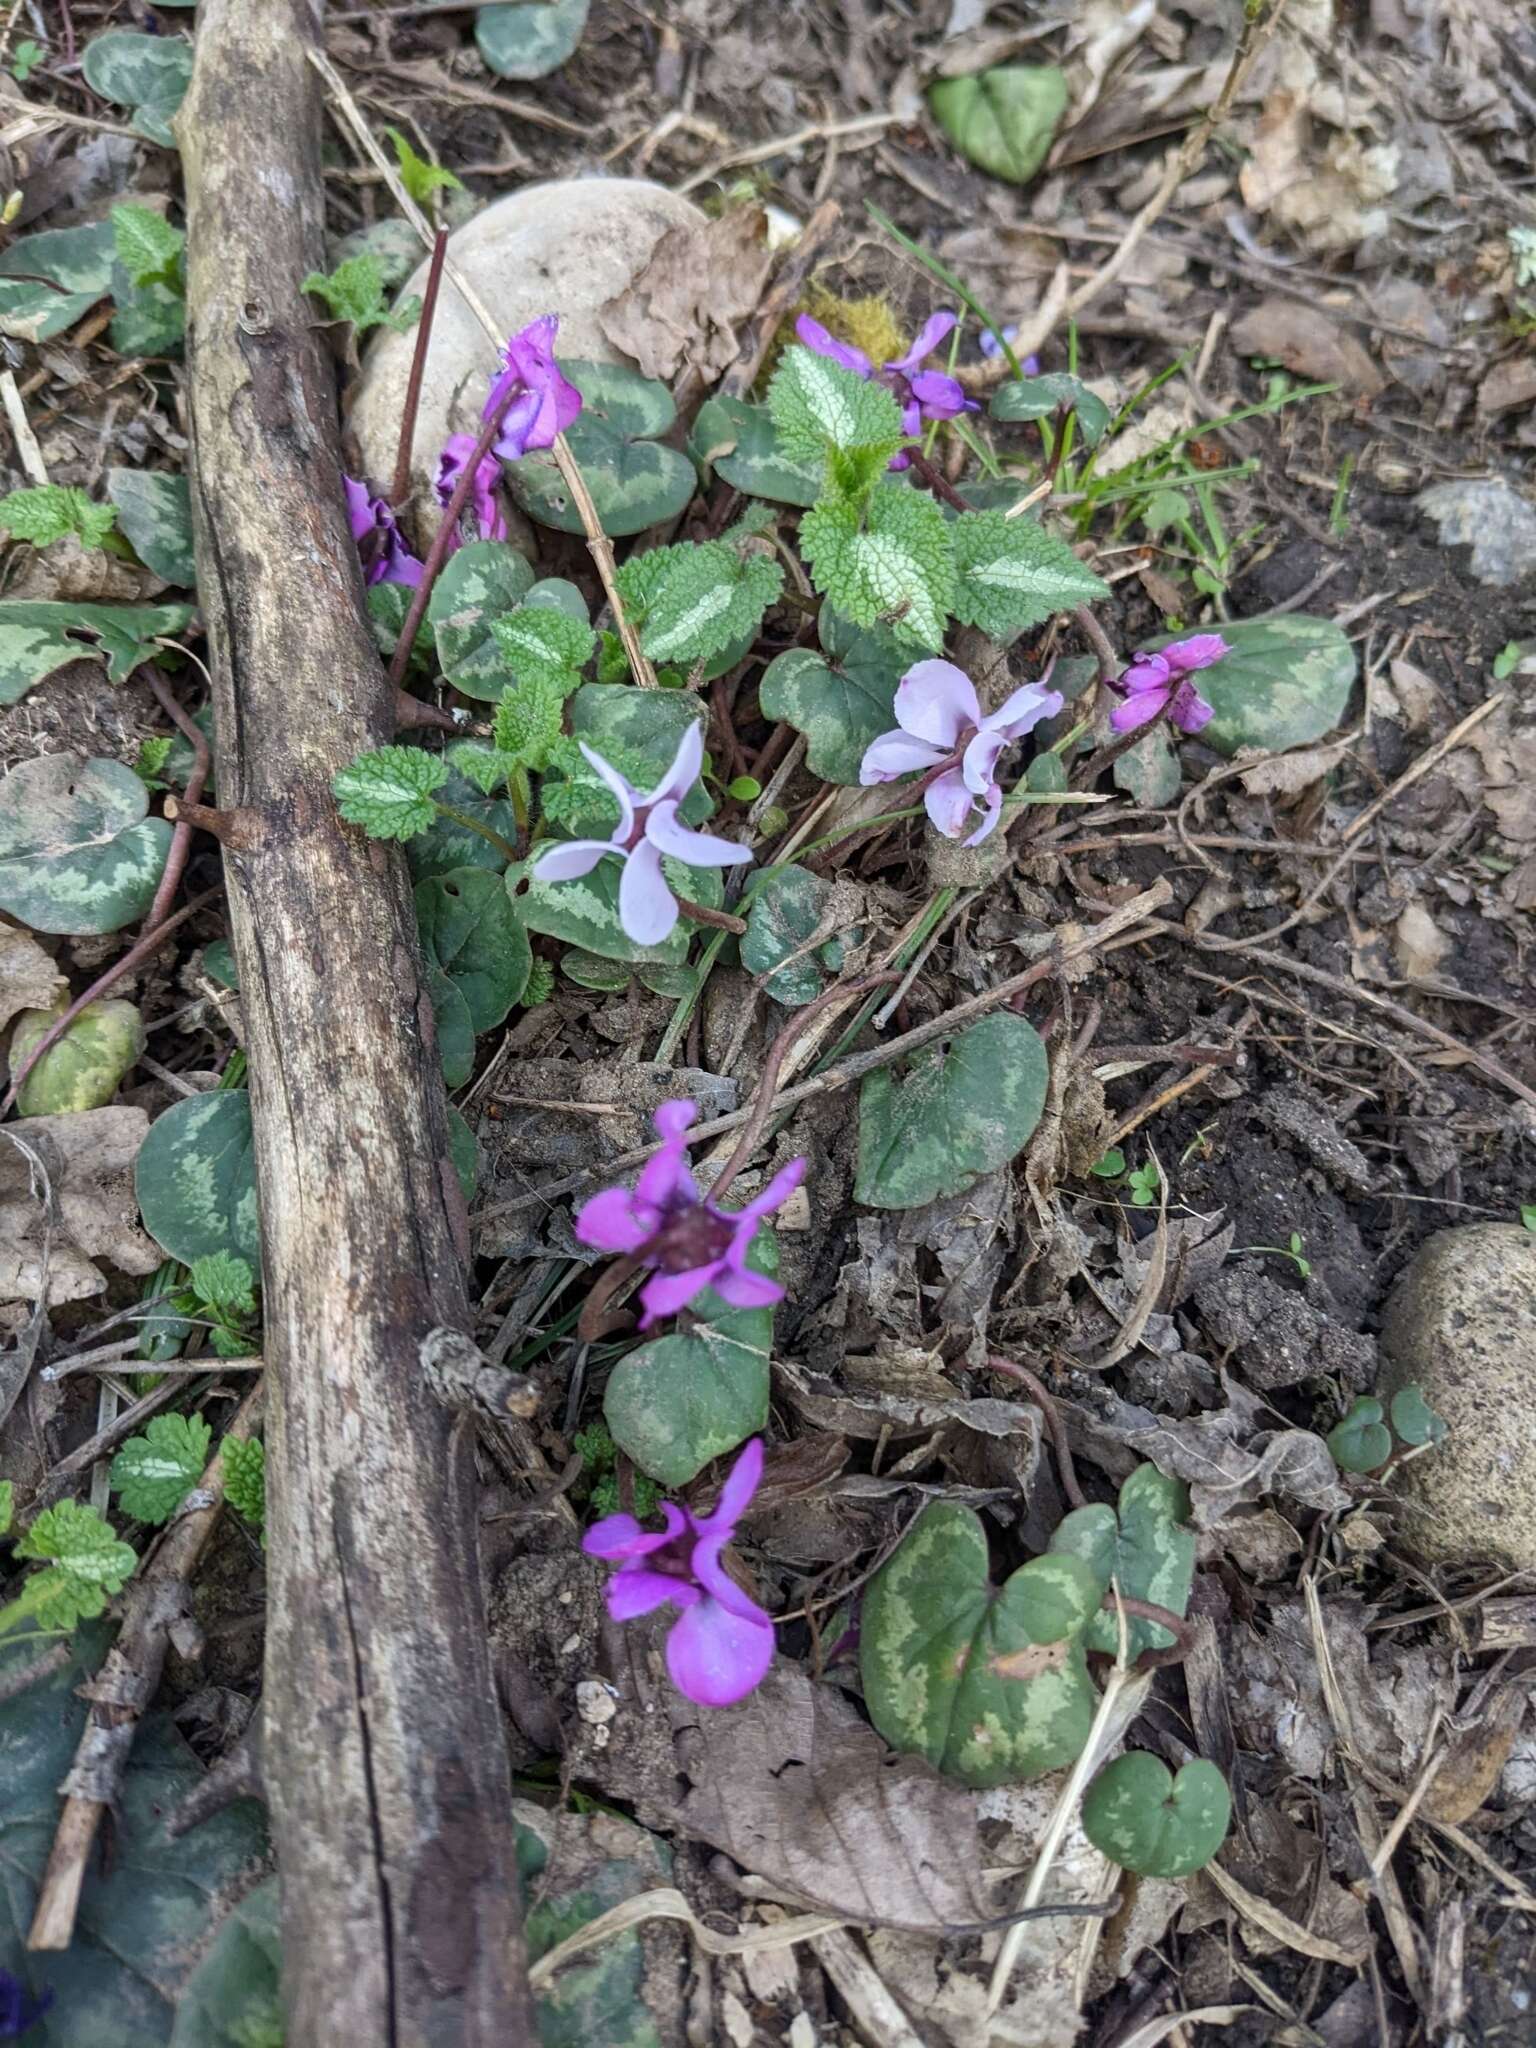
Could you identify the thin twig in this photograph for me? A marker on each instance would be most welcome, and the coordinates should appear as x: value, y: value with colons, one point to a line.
x: 202, y: 762
x: 1055, y: 1427
x: 402, y: 478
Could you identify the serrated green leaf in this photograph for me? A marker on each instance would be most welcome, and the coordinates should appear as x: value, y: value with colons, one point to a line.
x: 1146, y: 1547
x: 153, y: 1473
x: 1011, y: 574
x: 38, y: 637
x: 783, y: 911
x: 355, y: 291
x: 77, y: 853
x: 90, y: 1565
x: 703, y: 597
x: 541, y: 985
x: 894, y: 568
x: 1140, y: 1817
x: 389, y: 792
x: 1003, y: 119
x: 150, y: 74
x: 83, y: 1068
x: 44, y: 513
x: 1039, y: 398
x: 737, y: 439
x: 221, y: 1280
x: 530, y: 38
x: 148, y: 246
x: 529, y: 722
x: 245, y: 1476
x: 959, y: 1114
x: 485, y: 767
x: 1361, y: 1441
x: 818, y: 406
x: 988, y: 1685
x: 542, y: 643
x: 195, y: 1178
x: 470, y: 928
x: 154, y: 509
x: 635, y: 482
x: 420, y: 178
x: 481, y: 583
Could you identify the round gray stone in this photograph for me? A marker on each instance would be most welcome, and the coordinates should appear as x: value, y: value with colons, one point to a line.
x: 1461, y: 1322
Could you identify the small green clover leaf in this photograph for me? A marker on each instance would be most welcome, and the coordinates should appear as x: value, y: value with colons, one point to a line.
x: 1145, y: 1181
x: 25, y: 60
x: 89, y: 1566
x: 153, y: 1473
x: 1111, y: 1166
x: 389, y: 791
x: 1413, y: 1418
x: 1140, y: 1817
x: 1361, y: 1442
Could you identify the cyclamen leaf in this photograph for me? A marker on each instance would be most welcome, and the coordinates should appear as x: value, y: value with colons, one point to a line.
x: 77, y: 853
x: 355, y: 291
x: 896, y: 569
x: 543, y: 644
x: 47, y: 512
x: 389, y: 791
x: 153, y: 1473
x: 529, y: 723
x: 817, y: 405
x: 1141, y: 1817
x: 148, y: 246
x: 1011, y: 574
x: 89, y: 1565
x: 705, y: 597
x: 222, y: 1280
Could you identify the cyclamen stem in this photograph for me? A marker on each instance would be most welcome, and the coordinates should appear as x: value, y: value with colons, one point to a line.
x: 1148, y: 1610
x: 181, y: 836
x: 458, y: 817
x: 936, y: 481
x: 402, y: 479
x: 722, y: 920
x: 1053, y: 1422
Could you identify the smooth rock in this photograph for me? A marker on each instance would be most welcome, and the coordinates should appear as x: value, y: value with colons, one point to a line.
x: 564, y: 248
x: 1495, y: 520
x: 1461, y: 1322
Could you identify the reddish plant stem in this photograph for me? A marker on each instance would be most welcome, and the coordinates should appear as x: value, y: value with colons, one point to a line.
x: 1098, y: 640
x: 725, y: 720
x: 1055, y: 1427
x: 604, y: 1288
x: 181, y: 836
x: 937, y: 481
x: 402, y: 480
x: 1181, y: 1630
x: 722, y: 920
x: 775, y: 748
x: 411, y: 713
x: 778, y: 1052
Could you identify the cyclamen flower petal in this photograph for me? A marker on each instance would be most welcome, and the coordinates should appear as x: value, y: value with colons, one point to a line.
x: 942, y: 728
x: 896, y: 753
x: 1155, y: 683
x: 457, y: 450
x: 936, y: 701
x: 647, y: 908
x: 381, y: 545
x: 545, y: 404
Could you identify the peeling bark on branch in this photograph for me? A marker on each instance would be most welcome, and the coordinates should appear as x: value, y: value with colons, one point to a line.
x: 388, y: 1778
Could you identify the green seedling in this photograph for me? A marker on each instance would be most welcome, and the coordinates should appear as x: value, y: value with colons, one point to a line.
x: 1507, y: 660
x: 1361, y: 1442
x: 1293, y: 1251
x: 1145, y: 1182
x: 1414, y: 1420
x: 1111, y: 1166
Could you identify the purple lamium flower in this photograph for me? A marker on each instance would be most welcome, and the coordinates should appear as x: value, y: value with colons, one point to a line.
x: 20, y: 2011
x: 690, y: 1244
x: 721, y: 1643
x: 921, y: 394
x: 942, y: 729
x: 380, y: 543
x: 648, y: 827
x: 457, y: 450
x: 1155, y: 683
x: 545, y: 404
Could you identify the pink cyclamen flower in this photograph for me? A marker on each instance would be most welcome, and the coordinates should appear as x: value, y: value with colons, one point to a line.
x: 545, y: 404
x: 1155, y: 683
x: 921, y: 394
x: 690, y: 1244
x: 489, y: 518
x: 942, y: 727
x: 380, y: 543
x: 722, y: 1642
x: 648, y: 827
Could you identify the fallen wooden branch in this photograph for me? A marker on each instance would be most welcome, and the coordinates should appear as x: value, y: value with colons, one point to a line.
x: 390, y: 1790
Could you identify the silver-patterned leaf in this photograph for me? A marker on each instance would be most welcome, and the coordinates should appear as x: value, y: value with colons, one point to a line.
x: 77, y: 853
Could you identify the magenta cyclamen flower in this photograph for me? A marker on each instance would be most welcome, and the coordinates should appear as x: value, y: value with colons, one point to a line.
x: 921, y: 394
x: 942, y: 727
x: 648, y: 827
x: 1160, y: 682
x: 457, y: 450
x: 722, y: 1642
x: 545, y: 405
x: 380, y: 543
x: 690, y: 1244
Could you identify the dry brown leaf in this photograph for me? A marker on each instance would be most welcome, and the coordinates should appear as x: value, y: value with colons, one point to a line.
x: 1508, y: 386
x: 1418, y: 944
x: 29, y: 979
x: 1276, y: 151
x: 89, y: 1156
x: 684, y: 307
x: 1475, y: 1759
x: 67, y: 573
x: 1417, y: 693
x: 1289, y: 774
x: 1306, y: 341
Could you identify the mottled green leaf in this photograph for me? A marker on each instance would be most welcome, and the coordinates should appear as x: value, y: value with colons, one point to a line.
x: 1040, y: 398
x: 816, y: 406
x: 83, y: 1069
x: 635, y: 481
x: 38, y: 636
x: 464, y: 1151
x: 1140, y: 1817
x: 585, y: 913
x: 1146, y: 1547
x: 893, y: 565
x: 597, y: 1999
x: 470, y: 928
x: 75, y: 269
x: 530, y: 38
x: 959, y: 1114
x: 737, y: 439
x: 150, y: 74
x: 447, y: 844
x: 1413, y: 1418
x: 389, y: 791
x: 154, y: 509
x: 77, y: 853
x: 989, y: 1685
x: 641, y: 726
x: 232, y: 1999
x: 1362, y: 1441
x: 87, y: 1566
x: 480, y: 584
x: 555, y: 593
x: 195, y: 1178
x: 1149, y: 770
x: 840, y: 700
x: 1285, y: 684
x: 151, y: 320
x: 1003, y: 119
x: 784, y: 909
x: 1011, y: 574
x: 455, y: 1032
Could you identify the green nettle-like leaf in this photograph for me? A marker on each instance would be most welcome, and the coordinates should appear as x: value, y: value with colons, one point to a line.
x: 44, y: 513
x: 817, y: 406
x: 89, y: 1566
x: 152, y: 1474
x: 37, y: 637
x: 1140, y: 1817
x: 195, y: 1178
x: 154, y: 509
x: 480, y: 584
x: 389, y: 792
x: 738, y: 440
x: 894, y: 567
x: 530, y: 720
x: 1146, y: 1548
x: 1362, y: 1441
x: 785, y: 908
x: 1412, y: 1417
x: 223, y: 1281
x: 701, y: 598
x: 77, y: 853
x: 233, y: 1998
x: 486, y: 767
x: 1285, y: 683
x: 531, y: 38
x: 542, y: 643
x: 150, y: 74
x: 355, y: 291
x: 1011, y: 573
x: 635, y: 482
x: 989, y: 1684
x: 677, y: 1402
x: 1003, y: 119
x: 959, y: 1114
x: 420, y: 178
x: 83, y: 1068
x: 471, y: 929
x: 245, y: 1476
x: 148, y: 247
x: 49, y: 280
x: 1041, y: 398
x: 446, y: 844
x: 842, y: 699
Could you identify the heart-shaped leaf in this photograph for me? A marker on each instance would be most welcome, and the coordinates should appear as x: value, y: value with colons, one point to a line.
x: 1159, y: 1826
x: 1285, y: 683
x: 737, y: 439
x: 446, y: 844
x: 635, y: 482
x: 233, y: 1998
x: 989, y: 1684
x: 1003, y: 119
x: 195, y: 1178
x: 480, y: 583
x: 642, y: 728
x: 455, y: 1032
x: 37, y: 637
x: 591, y: 970
x: 784, y: 909
x: 677, y: 1402
x: 842, y: 700
x: 531, y: 38
x: 150, y: 74
x: 77, y: 853
x: 560, y: 596
x: 469, y: 927
x: 82, y: 1070
x: 1412, y: 1417
x: 154, y: 509
x: 1146, y: 1547
x: 1362, y: 1441
x: 959, y: 1114
x: 1039, y: 398
x: 50, y: 280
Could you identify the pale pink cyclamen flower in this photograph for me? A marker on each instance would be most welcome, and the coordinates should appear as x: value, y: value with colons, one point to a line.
x: 381, y: 545
x: 1159, y: 682
x: 489, y: 518
x: 721, y: 1643
x: 921, y: 394
x: 545, y: 404
x: 665, y: 1223
x: 648, y: 827
x: 942, y: 727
